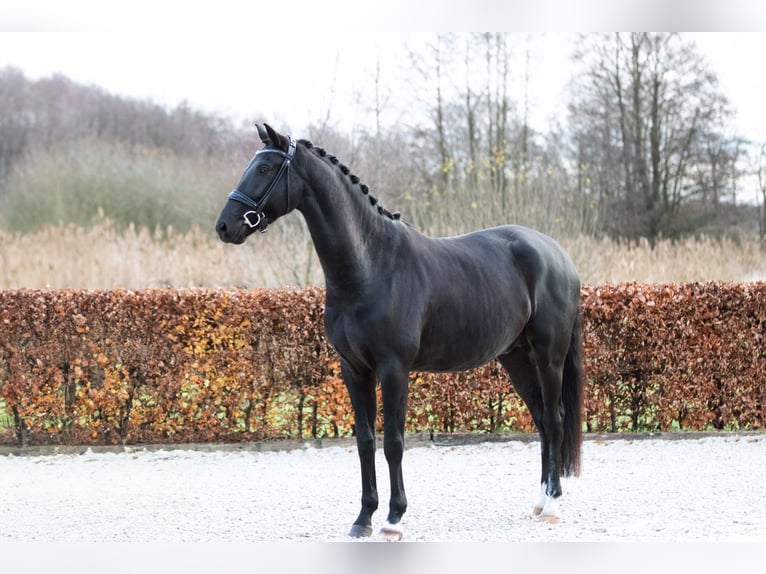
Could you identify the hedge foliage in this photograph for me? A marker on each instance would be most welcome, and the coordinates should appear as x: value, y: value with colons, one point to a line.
x: 688, y: 356
x: 117, y: 366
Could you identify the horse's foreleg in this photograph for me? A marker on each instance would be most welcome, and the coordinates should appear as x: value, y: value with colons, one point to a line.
x: 393, y: 380
x: 361, y: 389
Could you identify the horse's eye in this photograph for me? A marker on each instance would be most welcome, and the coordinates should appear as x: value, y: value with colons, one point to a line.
x: 263, y: 170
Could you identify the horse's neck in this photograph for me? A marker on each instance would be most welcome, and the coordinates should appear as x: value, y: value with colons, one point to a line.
x: 353, y: 241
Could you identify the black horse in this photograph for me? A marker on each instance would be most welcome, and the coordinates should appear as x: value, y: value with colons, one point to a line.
x: 399, y: 301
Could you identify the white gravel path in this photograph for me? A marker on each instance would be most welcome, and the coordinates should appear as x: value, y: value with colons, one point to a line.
x: 708, y: 489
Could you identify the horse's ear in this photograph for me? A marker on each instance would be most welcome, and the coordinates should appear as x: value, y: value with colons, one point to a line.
x: 270, y: 137
x: 263, y: 134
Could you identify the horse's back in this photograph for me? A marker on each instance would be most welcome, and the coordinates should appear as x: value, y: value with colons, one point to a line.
x: 481, y: 289
x: 509, y: 254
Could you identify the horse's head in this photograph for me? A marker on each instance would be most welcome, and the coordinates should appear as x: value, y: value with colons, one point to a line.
x: 263, y: 194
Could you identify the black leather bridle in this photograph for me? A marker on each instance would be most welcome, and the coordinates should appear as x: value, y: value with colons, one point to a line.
x: 261, y: 221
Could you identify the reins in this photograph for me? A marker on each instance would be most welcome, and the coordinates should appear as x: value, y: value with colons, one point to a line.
x: 261, y: 223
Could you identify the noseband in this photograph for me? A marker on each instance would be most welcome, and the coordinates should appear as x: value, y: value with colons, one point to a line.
x: 261, y: 222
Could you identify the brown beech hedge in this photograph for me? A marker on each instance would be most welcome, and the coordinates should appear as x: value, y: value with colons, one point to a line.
x: 116, y: 367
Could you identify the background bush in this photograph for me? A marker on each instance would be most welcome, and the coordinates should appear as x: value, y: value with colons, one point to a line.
x: 106, y: 367
x: 73, y: 183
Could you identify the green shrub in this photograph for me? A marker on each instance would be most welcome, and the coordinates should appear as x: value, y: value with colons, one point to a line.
x: 129, y: 184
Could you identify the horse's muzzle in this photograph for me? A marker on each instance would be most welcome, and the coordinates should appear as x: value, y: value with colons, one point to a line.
x: 229, y: 235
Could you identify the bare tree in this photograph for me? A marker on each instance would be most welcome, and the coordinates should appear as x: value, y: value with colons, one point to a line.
x: 642, y: 111
x: 15, y: 124
x: 493, y: 166
x: 498, y: 108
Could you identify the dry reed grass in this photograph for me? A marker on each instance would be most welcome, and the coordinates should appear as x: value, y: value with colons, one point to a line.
x: 103, y: 257
x: 704, y: 259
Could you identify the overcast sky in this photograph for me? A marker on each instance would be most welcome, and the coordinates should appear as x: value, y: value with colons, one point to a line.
x: 289, y: 61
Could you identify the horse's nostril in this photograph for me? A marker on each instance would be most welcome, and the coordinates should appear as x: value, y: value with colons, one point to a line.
x: 221, y: 227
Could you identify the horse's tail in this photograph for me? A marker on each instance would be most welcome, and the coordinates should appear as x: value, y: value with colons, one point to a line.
x: 572, y: 398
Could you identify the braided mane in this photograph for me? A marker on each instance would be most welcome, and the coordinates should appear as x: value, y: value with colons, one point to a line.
x: 354, y: 179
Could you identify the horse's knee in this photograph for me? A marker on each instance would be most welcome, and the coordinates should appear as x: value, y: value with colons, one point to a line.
x: 393, y: 447
x: 365, y: 443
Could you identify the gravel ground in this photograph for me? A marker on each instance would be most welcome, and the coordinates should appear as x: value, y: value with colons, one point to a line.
x: 650, y: 490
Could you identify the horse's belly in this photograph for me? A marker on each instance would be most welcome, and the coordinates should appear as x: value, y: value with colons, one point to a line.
x: 442, y: 364
x: 462, y: 349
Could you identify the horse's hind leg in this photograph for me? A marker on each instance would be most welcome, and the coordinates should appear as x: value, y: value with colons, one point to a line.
x: 523, y: 373
x: 361, y: 390
x: 549, y: 349
x: 536, y: 375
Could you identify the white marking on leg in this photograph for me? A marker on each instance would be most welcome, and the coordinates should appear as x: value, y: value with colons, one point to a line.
x: 393, y: 527
x: 551, y: 507
x: 392, y: 532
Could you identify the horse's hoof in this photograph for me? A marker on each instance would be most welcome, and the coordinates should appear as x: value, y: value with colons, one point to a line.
x: 550, y: 519
x: 537, y: 511
x: 391, y: 533
x: 359, y: 531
